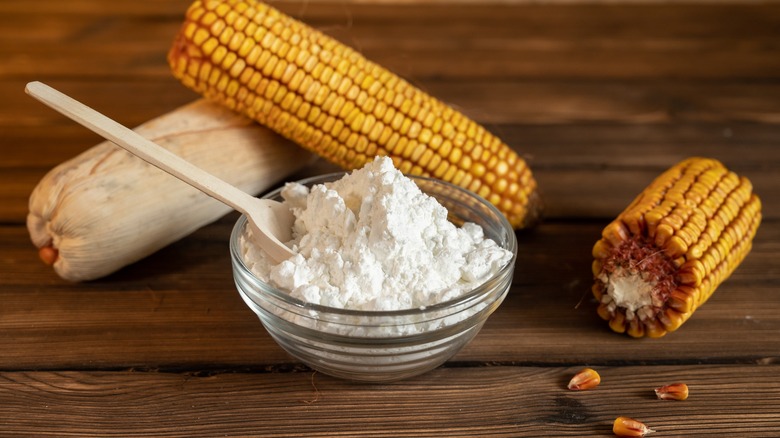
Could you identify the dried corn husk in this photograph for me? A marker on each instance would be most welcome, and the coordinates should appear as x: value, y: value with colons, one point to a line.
x: 106, y: 208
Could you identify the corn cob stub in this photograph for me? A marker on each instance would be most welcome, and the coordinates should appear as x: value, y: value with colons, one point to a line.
x: 329, y: 99
x: 665, y: 254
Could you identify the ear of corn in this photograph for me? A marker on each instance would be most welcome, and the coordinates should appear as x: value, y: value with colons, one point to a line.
x: 105, y: 208
x: 665, y: 254
x: 331, y: 100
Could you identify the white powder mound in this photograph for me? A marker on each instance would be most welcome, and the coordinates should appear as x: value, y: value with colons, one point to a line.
x: 374, y: 241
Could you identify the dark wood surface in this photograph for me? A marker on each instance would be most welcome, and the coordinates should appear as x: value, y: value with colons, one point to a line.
x: 599, y: 97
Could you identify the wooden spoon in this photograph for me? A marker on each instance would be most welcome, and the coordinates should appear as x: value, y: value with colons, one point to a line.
x: 270, y: 221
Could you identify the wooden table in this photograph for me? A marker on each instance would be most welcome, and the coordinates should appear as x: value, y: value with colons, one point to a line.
x: 599, y: 97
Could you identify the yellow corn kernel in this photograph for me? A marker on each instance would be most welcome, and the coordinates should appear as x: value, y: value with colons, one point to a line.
x: 675, y: 391
x: 370, y: 104
x: 628, y: 427
x: 587, y: 378
x: 666, y: 253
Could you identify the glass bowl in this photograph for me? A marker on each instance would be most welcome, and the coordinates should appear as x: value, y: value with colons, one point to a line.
x: 375, y: 346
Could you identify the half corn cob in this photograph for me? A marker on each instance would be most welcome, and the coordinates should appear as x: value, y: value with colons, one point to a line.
x: 331, y: 100
x: 669, y: 250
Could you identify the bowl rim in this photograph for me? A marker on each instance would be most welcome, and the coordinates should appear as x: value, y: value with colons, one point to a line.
x: 482, y: 289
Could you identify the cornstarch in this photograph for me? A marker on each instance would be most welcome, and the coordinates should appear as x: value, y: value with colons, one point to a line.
x: 374, y: 241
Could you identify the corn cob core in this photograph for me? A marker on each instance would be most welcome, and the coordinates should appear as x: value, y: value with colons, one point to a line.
x: 666, y: 253
x: 331, y: 100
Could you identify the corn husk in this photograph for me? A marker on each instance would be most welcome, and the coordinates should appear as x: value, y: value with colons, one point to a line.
x: 105, y: 208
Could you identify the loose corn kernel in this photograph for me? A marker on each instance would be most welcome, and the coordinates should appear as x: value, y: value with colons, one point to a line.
x: 222, y: 39
x: 675, y: 391
x: 628, y: 427
x: 587, y: 378
x: 665, y: 255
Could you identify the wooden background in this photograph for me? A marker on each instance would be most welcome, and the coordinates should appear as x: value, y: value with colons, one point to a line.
x: 598, y: 97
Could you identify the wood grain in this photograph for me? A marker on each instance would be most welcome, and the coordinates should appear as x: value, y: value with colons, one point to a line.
x: 495, y: 402
x: 598, y: 96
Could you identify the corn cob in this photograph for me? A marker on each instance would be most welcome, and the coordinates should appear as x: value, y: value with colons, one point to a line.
x: 331, y: 100
x: 665, y: 254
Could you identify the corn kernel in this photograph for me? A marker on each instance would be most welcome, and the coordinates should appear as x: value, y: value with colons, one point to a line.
x: 587, y: 378
x: 628, y: 427
x: 675, y: 391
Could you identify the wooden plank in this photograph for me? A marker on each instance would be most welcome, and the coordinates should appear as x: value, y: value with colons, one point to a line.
x: 425, y: 41
x: 60, y: 30
x: 179, y: 308
x: 597, y: 194
x: 47, y: 140
x: 490, y: 401
x: 538, y: 102
x: 128, y: 101
x: 92, y: 7
x: 603, y: 101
